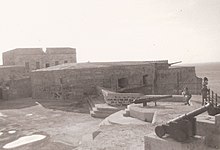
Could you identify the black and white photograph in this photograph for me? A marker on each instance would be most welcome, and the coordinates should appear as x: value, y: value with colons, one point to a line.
x: 109, y: 75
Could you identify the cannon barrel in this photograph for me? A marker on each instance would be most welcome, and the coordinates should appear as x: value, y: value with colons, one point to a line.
x: 170, y: 64
x: 182, y: 127
x: 193, y: 113
x: 150, y: 98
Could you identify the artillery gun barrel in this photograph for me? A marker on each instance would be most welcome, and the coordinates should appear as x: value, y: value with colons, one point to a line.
x: 150, y: 98
x: 175, y: 63
x: 193, y: 113
x: 182, y: 127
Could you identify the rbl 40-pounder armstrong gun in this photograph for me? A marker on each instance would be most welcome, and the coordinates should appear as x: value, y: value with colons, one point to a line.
x: 184, y: 126
x: 149, y: 98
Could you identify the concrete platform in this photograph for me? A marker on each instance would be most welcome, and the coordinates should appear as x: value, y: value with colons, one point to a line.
x: 209, y: 126
x: 144, y: 114
x: 153, y: 142
x: 118, y: 118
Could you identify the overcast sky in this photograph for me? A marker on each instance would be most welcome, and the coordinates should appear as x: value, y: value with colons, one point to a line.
x: 115, y: 30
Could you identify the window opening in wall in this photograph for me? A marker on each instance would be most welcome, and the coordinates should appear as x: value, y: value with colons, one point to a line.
x: 27, y: 65
x: 47, y: 65
x: 56, y: 63
x: 145, y: 77
x: 65, y: 61
x: 37, y: 65
x: 122, y: 82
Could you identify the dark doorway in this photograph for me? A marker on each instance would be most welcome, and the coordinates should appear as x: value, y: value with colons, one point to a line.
x: 122, y: 82
x: 1, y: 96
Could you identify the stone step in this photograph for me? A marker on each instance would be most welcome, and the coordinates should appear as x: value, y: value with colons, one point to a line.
x: 99, y: 114
x: 104, y: 110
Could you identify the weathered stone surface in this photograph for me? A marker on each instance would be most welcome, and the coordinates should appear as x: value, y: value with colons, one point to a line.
x: 17, y: 89
x: 14, y: 82
x: 213, y: 140
x: 36, y: 58
x: 143, y: 114
x: 74, y: 80
x: 118, y: 118
x: 185, y: 76
x: 204, y: 127
x: 12, y: 73
x: 152, y: 142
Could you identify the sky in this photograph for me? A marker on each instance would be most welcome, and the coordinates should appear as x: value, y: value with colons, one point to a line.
x: 115, y: 30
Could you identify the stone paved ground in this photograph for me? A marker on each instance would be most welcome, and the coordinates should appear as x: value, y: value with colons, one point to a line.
x: 69, y: 126
x: 129, y: 137
x: 64, y: 130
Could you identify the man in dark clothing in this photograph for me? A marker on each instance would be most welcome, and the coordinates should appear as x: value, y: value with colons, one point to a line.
x: 204, y: 90
x: 204, y: 93
x: 187, y: 95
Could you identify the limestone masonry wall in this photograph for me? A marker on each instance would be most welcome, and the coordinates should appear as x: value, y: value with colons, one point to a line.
x: 174, y: 80
x: 17, y: 89
x: 76, y: 80
x: 36, y: 58
x: 12, y: 72
x: 71, y: 83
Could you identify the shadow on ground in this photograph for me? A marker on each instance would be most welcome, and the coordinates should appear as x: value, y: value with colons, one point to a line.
x: 17, y: 103
x: 63, y: 105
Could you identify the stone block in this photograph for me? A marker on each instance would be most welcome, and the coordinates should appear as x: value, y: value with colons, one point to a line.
x: 153, y: 142
x: 142, y: 113
x: 204, y: 127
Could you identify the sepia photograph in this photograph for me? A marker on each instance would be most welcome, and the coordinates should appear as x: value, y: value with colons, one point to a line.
x: 109, y: 75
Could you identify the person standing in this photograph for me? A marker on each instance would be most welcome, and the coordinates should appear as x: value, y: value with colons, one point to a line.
x: 204, y: 91
x: 187, y: 95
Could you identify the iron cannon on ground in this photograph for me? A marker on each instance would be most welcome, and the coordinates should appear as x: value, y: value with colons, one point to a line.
x: 184, y: 126
x: 149, y: 98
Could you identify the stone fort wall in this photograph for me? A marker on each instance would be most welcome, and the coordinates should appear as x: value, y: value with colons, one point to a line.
x: 174, y: 80
x: 36, y: 58
x: 14, y: 82
x: 72, y: 83
x: 12, y: 73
